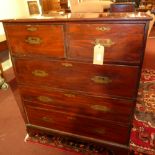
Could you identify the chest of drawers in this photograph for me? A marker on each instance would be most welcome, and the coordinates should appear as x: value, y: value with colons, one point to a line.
x: 62, y: 91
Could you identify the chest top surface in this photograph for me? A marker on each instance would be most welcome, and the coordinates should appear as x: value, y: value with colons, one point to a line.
x: 85, y: 17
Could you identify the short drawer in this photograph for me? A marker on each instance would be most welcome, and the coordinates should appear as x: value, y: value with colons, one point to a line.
x: 115, y: 110
x: 101, y: 130
x: 123, y: 42
x: 111, y: 80
x: 46, y: 40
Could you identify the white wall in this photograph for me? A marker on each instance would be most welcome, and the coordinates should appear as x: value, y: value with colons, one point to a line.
x: 12, y: 9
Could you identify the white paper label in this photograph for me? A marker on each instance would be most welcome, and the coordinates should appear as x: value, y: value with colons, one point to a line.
x: 98, y: 54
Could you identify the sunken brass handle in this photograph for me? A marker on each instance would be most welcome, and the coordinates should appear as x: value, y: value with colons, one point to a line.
x: 69, y: 95
x: 103, y: 28
x: 39, y: 73
x: 101, y: 79
x: 46, y: 119
x: 103, y: 42
x: 99, y: 131
x: 66, y: 64
x: 32, y: 28
x: 100, y: 108
x: 33, y: 40
x: 44, y: 99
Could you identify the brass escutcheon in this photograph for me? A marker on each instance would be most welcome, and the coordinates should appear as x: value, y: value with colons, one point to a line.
x: 66, y: 64
x: 101, y: 79
x: 39, y: 73
x: 69, y: 95
x: 32, y: 28
x: 47, y: 119
x: 100, y: 108
x: 103, y: 42
x: 33, y: 40
x: 44, y: 99
x: 103, y: 28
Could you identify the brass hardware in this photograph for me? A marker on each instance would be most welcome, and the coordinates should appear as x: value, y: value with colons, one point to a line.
x: 46, y: 119
x: 101, y: 79
x: 66, y: 64
x: 99, y: 131
x: 33, y: 40
x: 69, y: 95
x: 32, y: 29
x: 44, y: 99
x: 104, y: 42
x: 103, y: 28
x: 39, y: 73
x: 100, y: 108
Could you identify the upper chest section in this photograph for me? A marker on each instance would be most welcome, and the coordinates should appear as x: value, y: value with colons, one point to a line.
x: 123, y: 42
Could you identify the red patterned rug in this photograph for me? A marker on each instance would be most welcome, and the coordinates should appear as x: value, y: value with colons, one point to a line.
x: 142, y: 139
x: 143, y: 132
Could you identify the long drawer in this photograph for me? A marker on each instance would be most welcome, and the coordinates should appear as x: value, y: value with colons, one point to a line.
x: 78, y: 125
x: 116, y: 110
x: 34, y: 41
x: 123, y: 47
x: 111, y: 80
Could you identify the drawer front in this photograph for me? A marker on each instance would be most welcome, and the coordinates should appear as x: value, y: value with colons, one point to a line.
x: 47, y: 40
x: 103, y: 108
x: 98, y: 80
x: 78, y: 125
x: 123, y: 47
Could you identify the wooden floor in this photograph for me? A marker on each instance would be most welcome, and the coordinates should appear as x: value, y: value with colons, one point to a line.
x: 12, y: 128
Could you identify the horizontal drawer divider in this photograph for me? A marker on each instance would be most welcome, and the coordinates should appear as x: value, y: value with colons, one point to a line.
x: 31, y: 56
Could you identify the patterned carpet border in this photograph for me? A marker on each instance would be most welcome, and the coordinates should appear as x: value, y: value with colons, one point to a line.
x: 143, y: 131
x: 69, y: 145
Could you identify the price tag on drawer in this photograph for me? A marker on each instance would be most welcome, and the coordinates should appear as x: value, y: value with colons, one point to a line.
x: 98, y: 54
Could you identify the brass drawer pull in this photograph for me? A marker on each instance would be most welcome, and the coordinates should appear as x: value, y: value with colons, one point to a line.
x: 33, y: 40
x: 101, y: 79
x: 69, y: 95
x: 46, y: 119
x: 103, y: 28
x: 32, y: 29
x: 100, y: 108
x: 100, y: 131
x: 66, y: 64
x: 44, y: 99
x: 103, y: 42
x: 39, y: 73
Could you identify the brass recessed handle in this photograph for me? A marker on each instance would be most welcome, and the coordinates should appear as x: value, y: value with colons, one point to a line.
x: 103, y: 28
x: 33, y: 40
x: 44, y: 99
x: 103, y: 42
x: 66, y: 64
x: 32, y: 28
x: 101, y: 108
x: 47, y: 119
x: 101, y: 79
x: 69, y: 95
x: 39, y: 73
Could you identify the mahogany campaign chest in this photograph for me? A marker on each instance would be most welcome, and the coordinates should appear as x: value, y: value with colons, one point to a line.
x: 62, y: 91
